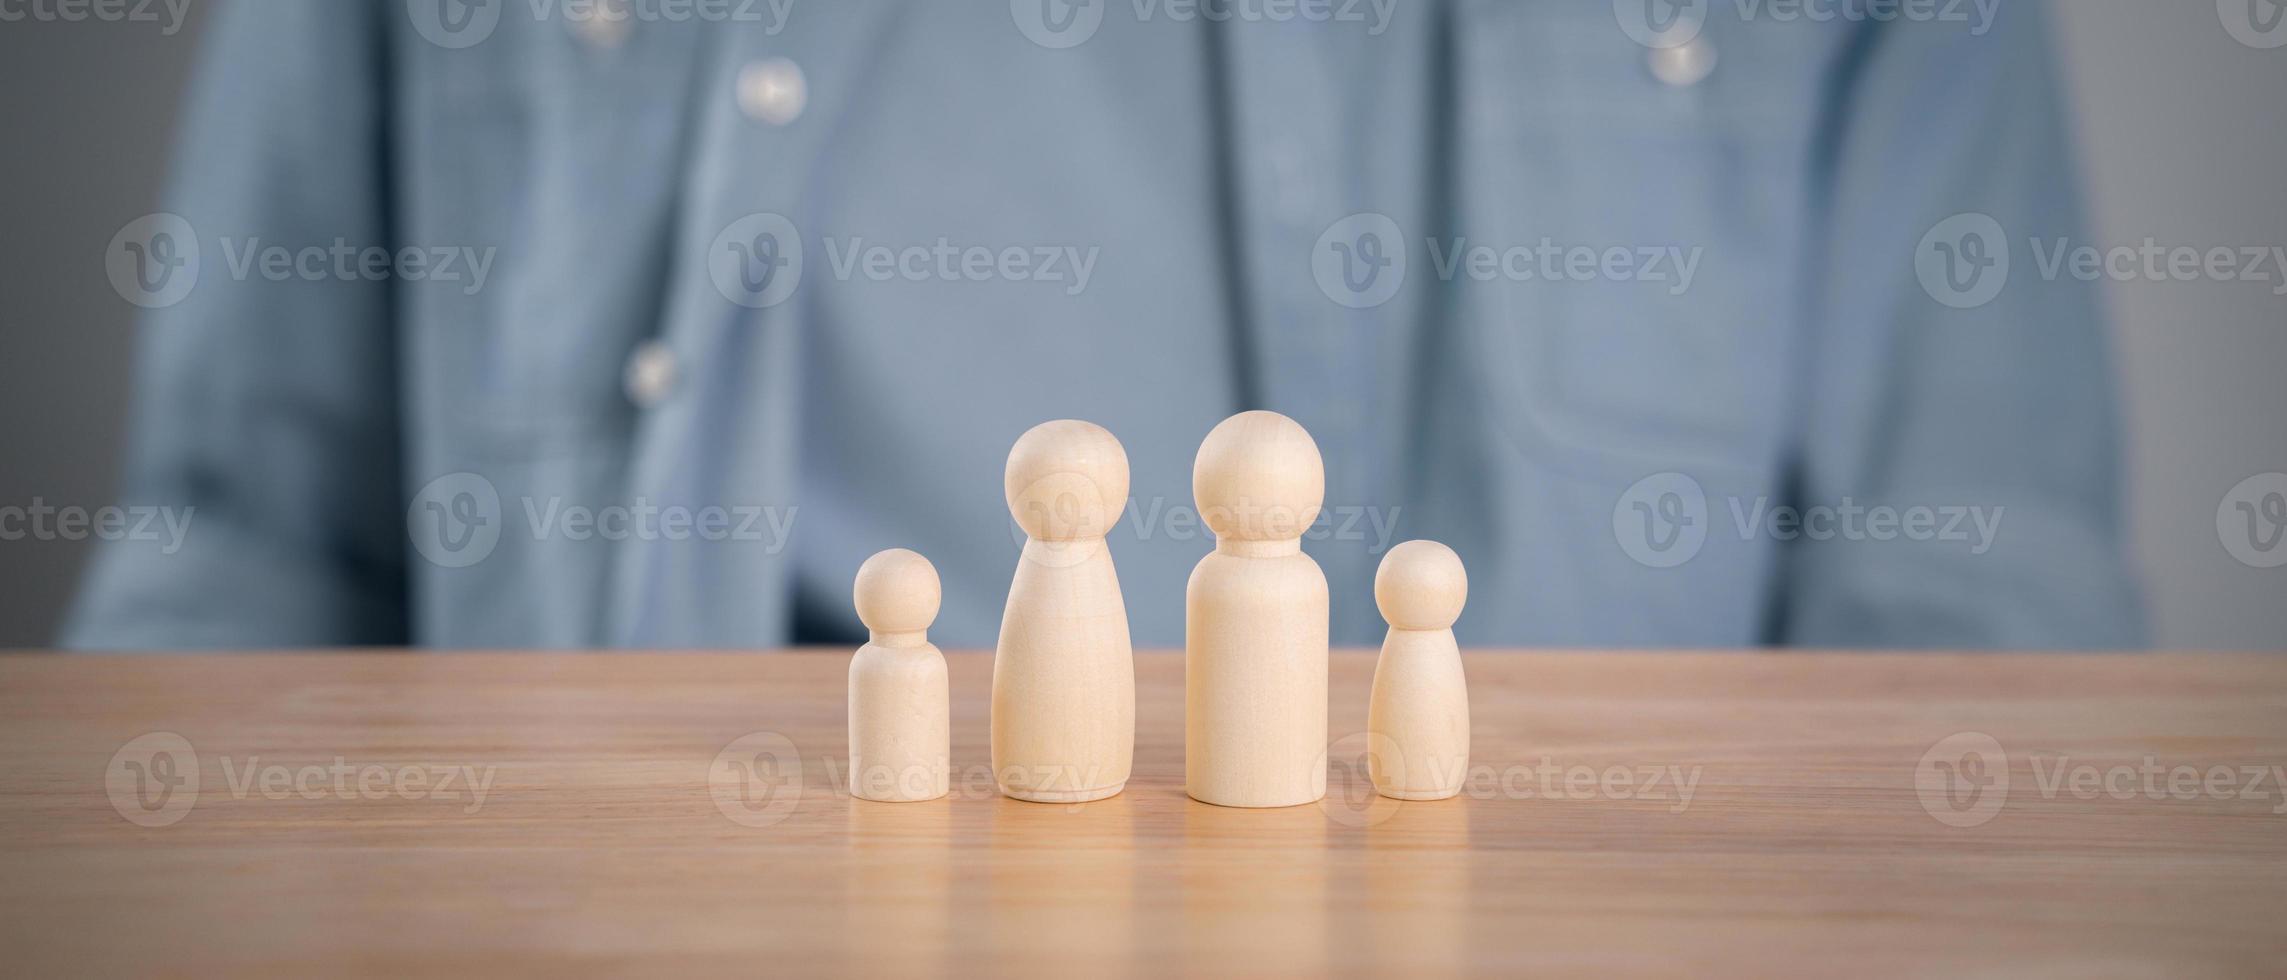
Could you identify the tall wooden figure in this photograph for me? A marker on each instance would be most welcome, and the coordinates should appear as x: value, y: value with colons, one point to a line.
x: 1064, y: 674
x: 900, y: 728
x: 1417, y: 719
x: 1256, y: 620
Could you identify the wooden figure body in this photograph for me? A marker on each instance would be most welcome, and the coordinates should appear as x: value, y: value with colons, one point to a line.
x: 1418, y: 716
x: 1064, y: 673
x: 900, y: 722
x: 1256, y: 620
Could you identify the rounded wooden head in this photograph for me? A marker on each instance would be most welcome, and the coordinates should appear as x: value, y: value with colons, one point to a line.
x: 1258, y: 478
x: 897, y: 592
x: 1067, y: 481
x: 1421, y: 586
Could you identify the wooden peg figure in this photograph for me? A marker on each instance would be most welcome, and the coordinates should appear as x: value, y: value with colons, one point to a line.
x: 900, y: 722
x: 1417, y: 720
x: 1064, y: 672
x: 1256, y: 620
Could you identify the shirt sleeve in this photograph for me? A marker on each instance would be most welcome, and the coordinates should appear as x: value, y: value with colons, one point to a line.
x: 266, y: 404
x: 1952, y: 378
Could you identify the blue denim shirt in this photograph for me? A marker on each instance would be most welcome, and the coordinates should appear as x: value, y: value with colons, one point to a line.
x: 1663, y: 320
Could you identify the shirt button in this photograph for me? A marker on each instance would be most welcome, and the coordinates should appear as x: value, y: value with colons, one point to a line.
x: 1684, y: 65
x: 651, y: 374
x: 772, y: 91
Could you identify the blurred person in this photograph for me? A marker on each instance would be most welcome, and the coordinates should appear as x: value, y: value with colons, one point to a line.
x: 1633, y: 322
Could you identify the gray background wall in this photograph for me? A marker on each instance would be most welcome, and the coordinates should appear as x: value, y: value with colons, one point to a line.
x: 86, y: 115
x: 2184, y: 131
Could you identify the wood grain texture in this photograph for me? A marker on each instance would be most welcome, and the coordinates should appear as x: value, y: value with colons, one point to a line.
x: 1805, y: 847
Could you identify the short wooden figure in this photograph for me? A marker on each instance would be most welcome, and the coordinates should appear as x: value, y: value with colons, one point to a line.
x: 1418, y: 717
x: 900, y: 722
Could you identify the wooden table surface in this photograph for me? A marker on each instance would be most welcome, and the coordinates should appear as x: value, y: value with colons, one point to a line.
x: 1813, y: 813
